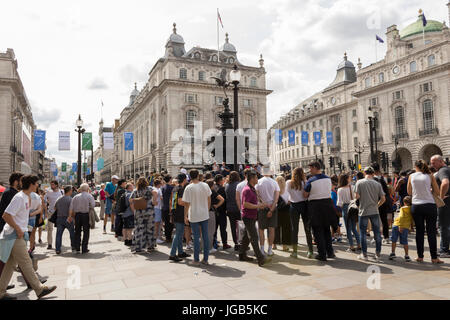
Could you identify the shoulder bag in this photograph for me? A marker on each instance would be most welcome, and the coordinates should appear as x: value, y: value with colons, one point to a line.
x: 437, y: 199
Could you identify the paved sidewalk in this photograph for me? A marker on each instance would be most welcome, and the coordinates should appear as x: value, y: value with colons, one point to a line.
x: 111, y: 271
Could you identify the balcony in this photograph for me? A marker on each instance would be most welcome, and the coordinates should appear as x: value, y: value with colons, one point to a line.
x: 402, y: 135
x: 427, y: 132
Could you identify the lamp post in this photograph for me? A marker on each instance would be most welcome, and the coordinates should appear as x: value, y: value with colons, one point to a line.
x: 321, y: 152
x: 80, y: 130
x: 396, y: 161
x: 371, y: 134
x: 225, y: 123
x: 359, y: 150
x: 235, y: 77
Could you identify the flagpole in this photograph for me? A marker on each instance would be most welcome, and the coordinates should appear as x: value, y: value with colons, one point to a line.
x: 217, y: 18
x: 423, y: 34
x: 376, y: 55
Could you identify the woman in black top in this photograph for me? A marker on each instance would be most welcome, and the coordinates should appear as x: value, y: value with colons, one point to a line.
x: 233, y: 212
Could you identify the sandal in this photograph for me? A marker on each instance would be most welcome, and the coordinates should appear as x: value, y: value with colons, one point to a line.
x: 419, y: 259
x: 437, y: 261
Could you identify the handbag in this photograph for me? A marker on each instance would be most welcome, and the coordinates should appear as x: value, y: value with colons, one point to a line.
x: 53, y: 218
x: 140, y: 203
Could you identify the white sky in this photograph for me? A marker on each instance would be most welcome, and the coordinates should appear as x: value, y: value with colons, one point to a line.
x: 73, y: 54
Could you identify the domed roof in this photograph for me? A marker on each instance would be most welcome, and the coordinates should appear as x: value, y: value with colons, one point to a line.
x: 228, y: 46
x: 174, y: 37
x: 133, y: 94
x: 345, y: 63
x: 417, y: 27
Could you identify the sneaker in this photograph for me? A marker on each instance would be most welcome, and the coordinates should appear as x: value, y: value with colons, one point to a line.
x: 270, y: 253
x: 334, y: 240
x: 407, y: 259
x: 159, y: 241
x: 392, y: 256
x: 206, y: 263
x: 445, y: 255
x: 46, y: 291
x: 237, y: 247
x: 372, y: 242
x: 49, y: 247
x: 377, y: 258
x: 363, y: 257
x: 264, y: 262
x: 184, y: 255
x: 11, y: 286
x: 226, y: 246
x: 175, y: 259
x: 310, y: 255
x: 58, y: 252
x: 244, y: 257
x: 213, y: 250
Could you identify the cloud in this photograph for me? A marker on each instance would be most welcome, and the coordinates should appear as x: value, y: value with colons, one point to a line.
x: 98, y: 84
x: 45, y: 117
x: 130, y: 74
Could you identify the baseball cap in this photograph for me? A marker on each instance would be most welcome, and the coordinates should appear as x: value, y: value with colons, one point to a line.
x: 369, y: 170
x: 115, y: 177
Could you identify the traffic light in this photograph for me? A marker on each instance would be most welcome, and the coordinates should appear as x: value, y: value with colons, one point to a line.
x: 331, y: 162
x: 383, y: 159
x: 349, y: 162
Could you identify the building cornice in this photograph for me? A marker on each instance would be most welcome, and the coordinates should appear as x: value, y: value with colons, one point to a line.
x: 413, y: 76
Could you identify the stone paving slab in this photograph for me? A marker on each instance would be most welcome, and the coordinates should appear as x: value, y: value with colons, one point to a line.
x: 111, y: 271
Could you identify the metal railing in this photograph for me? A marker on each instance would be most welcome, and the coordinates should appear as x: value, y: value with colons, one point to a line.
x: 425, y: 132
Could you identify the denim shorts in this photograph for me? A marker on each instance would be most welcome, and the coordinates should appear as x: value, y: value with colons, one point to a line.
x: 158, y: 215
x: 403, y: 236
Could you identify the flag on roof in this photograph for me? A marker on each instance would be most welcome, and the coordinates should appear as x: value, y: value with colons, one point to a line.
x: 220, y: 19
x: 379, y: 39
x: 424, y: 20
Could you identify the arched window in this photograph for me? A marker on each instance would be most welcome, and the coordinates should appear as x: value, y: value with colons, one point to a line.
x: 381, y: 77
x: 201, y: 75
x: 337, y: 137
x: 214, y: 58
x: 399, y: 114
x: 252, y: 82
x: 183, y: 73
x: 412, y: 66
x: 191, y: 116
x: 428, y: 115
x: 431, y: 60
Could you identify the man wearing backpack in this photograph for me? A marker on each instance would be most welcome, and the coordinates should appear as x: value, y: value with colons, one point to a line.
x: 118, y: 221
x: 127, y: 215
x: 387, y: 205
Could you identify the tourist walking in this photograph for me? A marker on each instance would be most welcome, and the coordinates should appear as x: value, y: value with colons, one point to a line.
x: 197, y: 201
x: 233, y: 212
x: 177, y: 215
x: 13, y: 241
x: 50, y: 198
x: 166, y: 191
x: 283, y: 231
x: 102, y: 201
x: 322, y: 213
x: 250, y: 207
x: 423, y: 209
x: 371, y: 197
x: 269, y: 191
x: 79, y: 212
x: 298, y: 208
x: 344, y: 197
x: 443, y: 180
x: 62, y: 207
x: 109, y: 193
x: 142, y: 202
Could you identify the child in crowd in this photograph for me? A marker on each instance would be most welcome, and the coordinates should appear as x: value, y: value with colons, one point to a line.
x: 401, y: 228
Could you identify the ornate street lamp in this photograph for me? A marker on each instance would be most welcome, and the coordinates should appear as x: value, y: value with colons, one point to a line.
x: 359, y: 151
x: 371, y: 131
x: 80, y: 130
x: 235, y: 77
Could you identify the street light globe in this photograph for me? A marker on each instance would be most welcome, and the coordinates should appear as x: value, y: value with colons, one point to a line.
x: 235, y: 75
x: 79, y: 122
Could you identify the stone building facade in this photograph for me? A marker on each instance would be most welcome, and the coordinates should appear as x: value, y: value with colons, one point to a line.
x: 408, y: 92
x: 16, y: 123
x: 180, y: 92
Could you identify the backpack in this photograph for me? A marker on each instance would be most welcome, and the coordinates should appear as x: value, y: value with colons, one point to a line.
x: 123, y: 203
x: 126, y: 198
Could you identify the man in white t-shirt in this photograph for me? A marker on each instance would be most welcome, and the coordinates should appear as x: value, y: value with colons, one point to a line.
x: 51, y: 197
x: 197, y: 201
x: 268, y: 191
x: 16, y: 217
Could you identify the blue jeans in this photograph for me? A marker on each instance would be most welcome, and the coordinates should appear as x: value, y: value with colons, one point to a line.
x: 375, y: 221
x: 196, y: 230
x: 61, y: 225
x: 350, y: 227
x: 108, y: 206
x: 444, y: 225
x: 177, y: 242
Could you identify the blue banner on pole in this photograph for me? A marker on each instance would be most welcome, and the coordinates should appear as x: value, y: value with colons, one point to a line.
x: 100, y: 164
x: 317, y: 138
x: 329, y: 138
x: 39, y: 140
x: 278, y: 136
x: 305, y: 137
x: 74, y: 167
x: 55, y: 173
x: 291, y: 137
x: 129, y: 144
x: 88, y: 170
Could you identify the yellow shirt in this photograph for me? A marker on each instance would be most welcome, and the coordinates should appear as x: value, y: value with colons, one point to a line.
x: 404, y: 220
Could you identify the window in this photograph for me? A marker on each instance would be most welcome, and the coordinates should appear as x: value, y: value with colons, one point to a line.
x: 314, y: 124
x: 190, y: 98
x: 367, y: 82
x: 381, y: 77
x: 307, y: 126
x: 252, y: 82
x: 355, y: 142
x: 197, y: 55
x: 354, y: 113
x: 426, y: 87
x: 337, y: 137
x: 373, y: 102
x: 219, y: 101
x: 355, y: 126
x: 321, y: 122
x: 397, y: 95
x: 428, y: 117
x: 412, y: 66
x: 247, y: 102
x: 301, y: 128
x: 201, y: 75
x: 191, y: 116
x: 399, y: 120
x: 183, y: 73
x: 431, y: 60
x: 376, y: 116
x: 214, y: 58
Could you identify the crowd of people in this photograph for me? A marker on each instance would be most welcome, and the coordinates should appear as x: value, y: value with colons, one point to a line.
x: 190, y: 211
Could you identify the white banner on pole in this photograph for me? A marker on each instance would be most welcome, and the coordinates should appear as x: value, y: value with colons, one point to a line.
x: 64, y: 141
x: 95, y: 166
x: 108, y: 141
